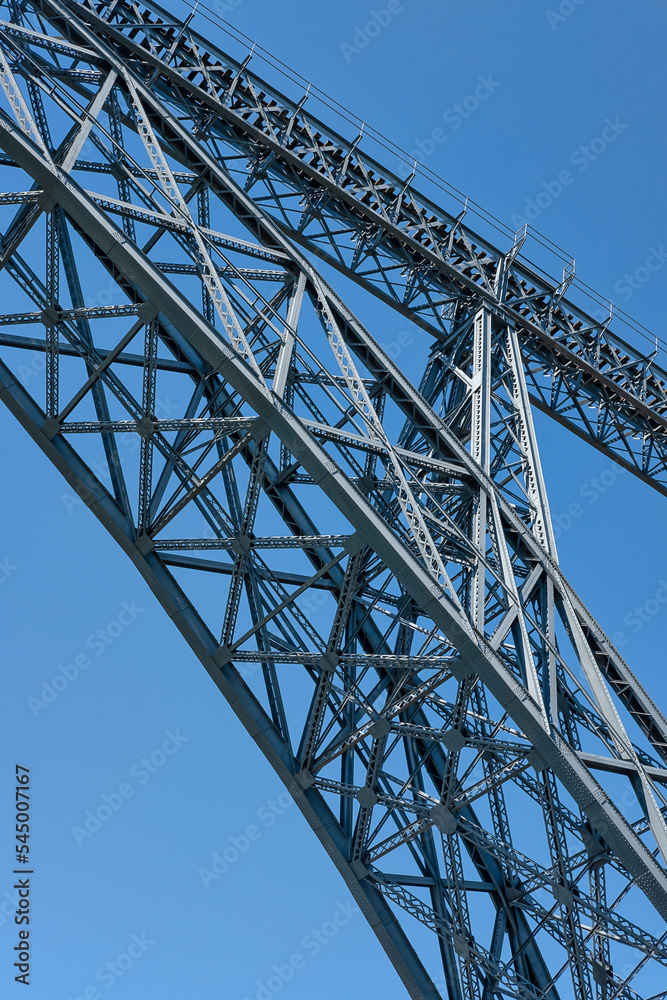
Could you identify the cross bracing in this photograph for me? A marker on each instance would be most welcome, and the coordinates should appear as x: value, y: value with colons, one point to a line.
x: 453, y: 723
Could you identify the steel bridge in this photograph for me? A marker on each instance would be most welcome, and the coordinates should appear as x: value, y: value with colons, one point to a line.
x: 454, y: 725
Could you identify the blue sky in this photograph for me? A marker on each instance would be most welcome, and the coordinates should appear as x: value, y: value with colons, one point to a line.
x: 546, y: 85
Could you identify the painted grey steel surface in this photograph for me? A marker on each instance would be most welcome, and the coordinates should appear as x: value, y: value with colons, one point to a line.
x: 452, y: 721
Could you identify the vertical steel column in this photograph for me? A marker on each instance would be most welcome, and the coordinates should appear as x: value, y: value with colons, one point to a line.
x: 50, y: 314
x: 147, y: 427
x: 480, y: 448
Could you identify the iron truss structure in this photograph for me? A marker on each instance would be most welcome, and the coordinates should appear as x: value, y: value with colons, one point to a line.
x: 365, y: 567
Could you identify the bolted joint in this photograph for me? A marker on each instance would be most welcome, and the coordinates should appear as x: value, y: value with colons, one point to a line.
x: 222, y: 656
x: 366, y: 483
x: 51, y: 427
x: 359, y: 869
x: 47, y: 201
x: 562, y: 894
x: 147, y: 312
x: 461, y: 946
x: 535, y: 761
x: 454, y: 740
x: 595, y: 848
x: 366, y: 797
x: 459, y: 668
x: 259, y: 429
x: 328, y: 661
x: 144, y: 543
x: 146, y: 427
x: 444, y: 819
x: 380, y: 728
x: 405, y: 606
x: 50, y: 316
x: 241, y: 544
x: 116, y: 171
x: 304, y: 778
x: 354, y: 544
x: 601, y: 973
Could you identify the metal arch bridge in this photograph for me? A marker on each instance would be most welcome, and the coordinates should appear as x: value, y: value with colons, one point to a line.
x: 454, y: 725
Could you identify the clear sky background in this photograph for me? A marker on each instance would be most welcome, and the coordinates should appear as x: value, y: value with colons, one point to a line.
x: 554, y: 80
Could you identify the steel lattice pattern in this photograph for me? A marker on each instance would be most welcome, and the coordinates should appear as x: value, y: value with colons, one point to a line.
x: 452, y: 723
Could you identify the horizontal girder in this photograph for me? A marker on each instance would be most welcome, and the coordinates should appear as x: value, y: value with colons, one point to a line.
x: 380, y: 231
